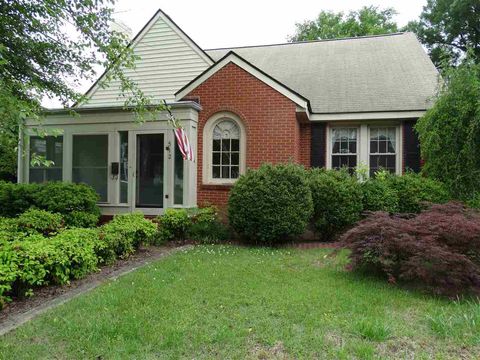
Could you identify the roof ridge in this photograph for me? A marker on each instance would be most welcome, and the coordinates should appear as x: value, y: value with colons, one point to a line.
x: 310, y: 41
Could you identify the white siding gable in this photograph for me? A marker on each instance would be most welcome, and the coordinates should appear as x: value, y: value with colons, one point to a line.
x: 169, y: 59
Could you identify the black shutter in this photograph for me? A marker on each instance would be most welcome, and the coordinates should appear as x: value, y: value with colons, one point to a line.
x: 318, y: 149
x: 411, y: 149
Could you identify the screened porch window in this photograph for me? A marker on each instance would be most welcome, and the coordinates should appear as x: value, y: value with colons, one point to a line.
x: 344, y: 148
x: 226, y: 150
x: 50, y: 148
x: 90, y: 162
x: 383, y: 149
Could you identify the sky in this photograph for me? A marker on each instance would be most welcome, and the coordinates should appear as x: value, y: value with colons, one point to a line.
x: 216, y: 23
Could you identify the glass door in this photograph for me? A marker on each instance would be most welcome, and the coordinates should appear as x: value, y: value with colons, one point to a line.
x: 150, y: 171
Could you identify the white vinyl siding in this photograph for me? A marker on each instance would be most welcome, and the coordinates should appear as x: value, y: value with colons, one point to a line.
x: 167, y: 63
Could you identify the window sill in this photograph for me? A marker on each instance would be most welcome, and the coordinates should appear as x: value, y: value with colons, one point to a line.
x: 225, y: 187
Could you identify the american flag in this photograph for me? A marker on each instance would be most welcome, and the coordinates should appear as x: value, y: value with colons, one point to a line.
x: 182, y: 138
x: 183, y: 144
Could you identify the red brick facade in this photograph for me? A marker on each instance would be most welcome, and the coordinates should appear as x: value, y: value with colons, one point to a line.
x: 273, y: 133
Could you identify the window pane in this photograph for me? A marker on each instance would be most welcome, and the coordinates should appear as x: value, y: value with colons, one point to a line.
x: 90, y: 162
x: 235, y: 160
x: 235, y: 172
x: 123, y: 167
x: 216, y: 145
x: 178, y: 180
x: 385, y: 162
x: 216, y: 172
x: 216, y: 158
x: 225, y: 172
x: 225, y: 145
x: 226, y: 158
x: 51, y: 148
x: 344, y: 141
x: 235, y: 145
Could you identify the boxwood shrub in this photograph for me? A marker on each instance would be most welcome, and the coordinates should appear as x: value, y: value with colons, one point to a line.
x: 205, y: 226
x: 378, y: 195
x: 416, y: 191
x: 337, y: 200
x: 67, y: 199
x: 270, y: 204
x: 173, y: 224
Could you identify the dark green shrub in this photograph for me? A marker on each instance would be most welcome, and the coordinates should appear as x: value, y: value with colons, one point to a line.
x: 173, y: 224
x: 81, y: 219
x: 379, y: 196
x: 121, y: 236
x: 65, y: 198
x: 39, y: 221
x: 270, y: 204
x: 56, y: 197
x: 415, y: 191
x: 474, y: 202
x: 16, y: 198
x: 205, y: 227
x: 337, y: 200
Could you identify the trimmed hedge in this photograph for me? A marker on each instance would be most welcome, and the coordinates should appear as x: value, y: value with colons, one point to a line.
x: 337, y: 200
x: 271, y: 204
x: 378, y: 195
x: 77, y: 203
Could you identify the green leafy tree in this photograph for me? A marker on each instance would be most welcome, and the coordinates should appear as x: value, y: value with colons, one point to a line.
x: 369, y: 20
x: 49, y: 47
x: 450, y: 132
x: 448, y: 29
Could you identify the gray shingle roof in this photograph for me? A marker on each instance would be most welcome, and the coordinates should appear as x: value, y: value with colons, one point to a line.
x: 365, y: 74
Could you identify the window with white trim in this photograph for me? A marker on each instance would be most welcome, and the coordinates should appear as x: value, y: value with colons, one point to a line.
x: 382, y: 149
x: 344, y: 145
x: 50, y: 148
x: 226, y: 150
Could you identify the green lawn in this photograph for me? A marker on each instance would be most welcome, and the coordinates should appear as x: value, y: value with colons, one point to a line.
x: 226, y: 302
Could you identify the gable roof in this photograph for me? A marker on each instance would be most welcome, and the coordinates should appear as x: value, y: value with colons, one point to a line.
x: 354, y: 75
x: 163, y: 46
x: 232, y: 57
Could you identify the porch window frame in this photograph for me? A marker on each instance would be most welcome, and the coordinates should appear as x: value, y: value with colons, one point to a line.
x: 28, y: 153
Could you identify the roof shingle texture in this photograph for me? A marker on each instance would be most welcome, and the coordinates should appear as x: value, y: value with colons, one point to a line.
x: 366, y: 74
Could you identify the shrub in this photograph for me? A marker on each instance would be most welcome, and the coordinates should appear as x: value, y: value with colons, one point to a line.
x: 56, y: 197
x: 337, y: 200
x: 121, y: 236
x: 270, y: 204
x: 474, y: 202
x: 9, y: 230
x: 205, y: 227
x: 173, y: 224
x: 38, y: 261
x: 39, y: 221
x: 81, y: 219
x: 415, y: 191
x: 377, y: 195
x: 438, y: 249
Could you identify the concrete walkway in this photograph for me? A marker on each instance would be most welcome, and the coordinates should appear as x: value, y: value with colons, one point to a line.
x: 30, y: 308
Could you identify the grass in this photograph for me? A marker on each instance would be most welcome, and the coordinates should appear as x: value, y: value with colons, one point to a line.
x: 226, y: 302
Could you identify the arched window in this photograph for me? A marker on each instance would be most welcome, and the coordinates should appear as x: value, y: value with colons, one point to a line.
x: 224, y: 149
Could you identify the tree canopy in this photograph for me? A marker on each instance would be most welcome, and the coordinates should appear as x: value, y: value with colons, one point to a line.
x: 369, y: 20
x: 450, y: 131
x: 448, y: 29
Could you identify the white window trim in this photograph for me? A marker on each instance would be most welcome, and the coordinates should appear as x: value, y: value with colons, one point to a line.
x: 363, y: 143
x: 207, y: 148
x: 330, y: 145
x: 398, y: 146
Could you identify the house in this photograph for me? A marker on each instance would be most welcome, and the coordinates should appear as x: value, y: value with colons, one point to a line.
x: 328, y: 104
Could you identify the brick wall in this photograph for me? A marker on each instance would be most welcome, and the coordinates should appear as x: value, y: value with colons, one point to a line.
x: 273, y: 132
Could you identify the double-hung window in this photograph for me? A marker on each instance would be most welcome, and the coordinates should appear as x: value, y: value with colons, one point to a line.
x: 344, y: 147
x: 383, y: 149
